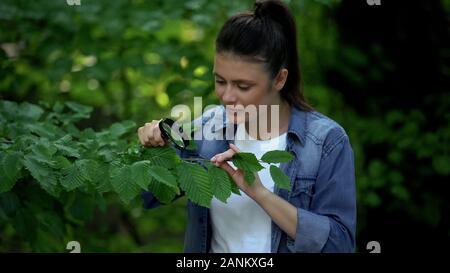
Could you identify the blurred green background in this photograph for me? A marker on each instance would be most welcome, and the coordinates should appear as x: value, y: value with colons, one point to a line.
x: 381, y: 71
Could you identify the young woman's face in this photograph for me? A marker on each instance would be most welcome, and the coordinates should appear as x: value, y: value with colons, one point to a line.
x: 240, y: 83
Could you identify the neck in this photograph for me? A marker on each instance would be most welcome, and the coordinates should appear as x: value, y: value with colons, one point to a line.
x: 279, y: 126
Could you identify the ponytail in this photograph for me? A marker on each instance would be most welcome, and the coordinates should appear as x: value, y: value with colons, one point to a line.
x: 267, y: 34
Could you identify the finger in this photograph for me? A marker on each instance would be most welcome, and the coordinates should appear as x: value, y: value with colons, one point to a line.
x: 219, y: 158
x: 148, y: 135
x: 227, y: 167
x: 235, y: 148
x: 141, y: 140
x: 157, y: 137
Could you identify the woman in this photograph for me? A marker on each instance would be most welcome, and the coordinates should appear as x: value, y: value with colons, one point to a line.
x: 256, y: 63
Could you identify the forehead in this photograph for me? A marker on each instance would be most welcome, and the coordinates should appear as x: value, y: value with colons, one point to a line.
x: 232, y: 66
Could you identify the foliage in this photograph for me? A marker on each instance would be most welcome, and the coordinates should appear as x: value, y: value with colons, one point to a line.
x: 46, y: 148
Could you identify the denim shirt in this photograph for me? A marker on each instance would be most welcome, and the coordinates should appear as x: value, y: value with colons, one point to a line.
x: 322, y: 179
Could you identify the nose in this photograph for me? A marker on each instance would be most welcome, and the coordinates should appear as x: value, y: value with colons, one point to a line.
x: 229, y: 95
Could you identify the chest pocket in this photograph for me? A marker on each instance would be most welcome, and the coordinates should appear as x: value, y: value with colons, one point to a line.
x: 302, y: 191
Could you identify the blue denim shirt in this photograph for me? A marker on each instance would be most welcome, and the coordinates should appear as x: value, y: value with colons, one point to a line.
x: 322, y: 185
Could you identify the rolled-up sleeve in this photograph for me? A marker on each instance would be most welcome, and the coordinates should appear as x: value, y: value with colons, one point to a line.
x: 330, y: 223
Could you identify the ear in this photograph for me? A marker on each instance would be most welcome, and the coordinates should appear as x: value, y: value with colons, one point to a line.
x: 280, y: 79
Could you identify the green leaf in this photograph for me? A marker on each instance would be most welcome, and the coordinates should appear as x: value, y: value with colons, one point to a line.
x: 10, y: 166
x: 45, y: 130
x: 234, y: 188
x: 162, y: 192
x: 248, y: 163
x: 102, y: 180
x: 30, y: 111
x: 141, y: 173
x: 123, y: 184
x: 43, y: 151
x: 79, y: 108
x: 164, y: 176
x: 280, y: 179
x: 195, y: 181
x: 119, y: 129
x: 277, y: 156
x: 58, y: 107
x: 67, y: 147
x: 161, y: 156
x: 221, y: 183
x: 62, y: 162
x: 74, y: 177
x: 43, y: 174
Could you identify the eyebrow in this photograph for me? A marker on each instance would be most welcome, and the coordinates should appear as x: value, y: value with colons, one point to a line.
x: 237, y: 80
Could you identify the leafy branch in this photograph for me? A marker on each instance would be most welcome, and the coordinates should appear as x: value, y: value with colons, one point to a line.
x: 46, y: 147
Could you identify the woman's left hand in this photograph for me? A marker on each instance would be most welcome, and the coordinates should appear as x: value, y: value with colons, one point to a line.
x: 220, y: 160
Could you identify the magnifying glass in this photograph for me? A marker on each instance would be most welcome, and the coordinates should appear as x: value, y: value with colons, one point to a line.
x: 173, y: 132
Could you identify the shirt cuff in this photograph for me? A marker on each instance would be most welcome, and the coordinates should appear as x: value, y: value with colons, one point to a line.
x: 312, y: 231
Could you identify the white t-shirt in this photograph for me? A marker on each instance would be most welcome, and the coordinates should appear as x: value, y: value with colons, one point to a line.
x: 241, y: 225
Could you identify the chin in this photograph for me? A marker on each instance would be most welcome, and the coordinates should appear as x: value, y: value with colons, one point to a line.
x: 235, y: 118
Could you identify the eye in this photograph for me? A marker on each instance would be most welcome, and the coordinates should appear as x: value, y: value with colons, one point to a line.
x: 221, y: 82
x: 244, y: 87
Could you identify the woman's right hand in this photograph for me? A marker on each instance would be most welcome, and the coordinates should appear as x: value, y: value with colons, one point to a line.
x: 150, y: 135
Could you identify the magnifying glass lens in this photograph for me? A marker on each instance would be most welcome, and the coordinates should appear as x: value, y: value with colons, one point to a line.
x: 174, y: 135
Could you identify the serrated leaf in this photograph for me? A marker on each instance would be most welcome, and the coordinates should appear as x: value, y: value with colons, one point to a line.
x: 277, y: 156
x: 74, y: 177
x: 220, y: 182
x: 10, y: 166
x: 249, y: 164
x: 62, y: 162
x: 162, y: 192
x: 161, y: 156
x: 66, y: 146
x: 102, y: 181
x: 280, y: 178
x: 141, y: 173
x: 45, y: 130
x: 89, y: 168
x: 164, y: 176
x: 123, y: 184
x: 194, y: 180
x: 43, y: 151
x: 43, y: 174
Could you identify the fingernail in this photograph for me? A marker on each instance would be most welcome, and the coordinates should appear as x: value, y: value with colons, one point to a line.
x: 213, y: 158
